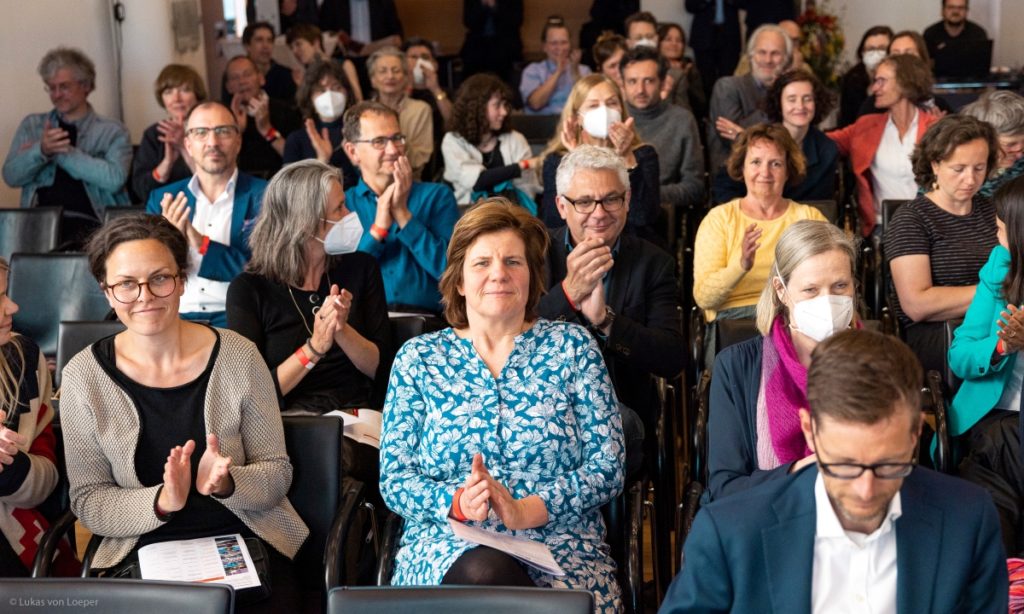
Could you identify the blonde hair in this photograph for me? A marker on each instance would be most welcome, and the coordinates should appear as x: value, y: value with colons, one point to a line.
x: 10, y: 382
x: 572, y: 107
x: 800, y: 241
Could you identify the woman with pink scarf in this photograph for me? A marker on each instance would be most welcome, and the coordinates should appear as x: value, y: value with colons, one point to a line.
x: 759, y: 385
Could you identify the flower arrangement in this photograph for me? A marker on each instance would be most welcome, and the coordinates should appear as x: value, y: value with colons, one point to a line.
x: 823, y: 41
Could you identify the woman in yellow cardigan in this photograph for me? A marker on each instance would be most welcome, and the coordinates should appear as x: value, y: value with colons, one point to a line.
x: 736, y: 240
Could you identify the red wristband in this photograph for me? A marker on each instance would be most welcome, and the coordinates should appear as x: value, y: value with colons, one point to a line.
x: 524, y: 164
x: 1001, y: 348
x: 205, y: 245
x: 271, y: 135
x: 456, y: 507
x: 568, y: 299
x: 157, y: 176
x: 304, y: 360
x: 382, y: 233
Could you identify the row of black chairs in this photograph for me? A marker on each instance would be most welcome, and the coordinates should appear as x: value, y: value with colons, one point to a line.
x: 36, y: 230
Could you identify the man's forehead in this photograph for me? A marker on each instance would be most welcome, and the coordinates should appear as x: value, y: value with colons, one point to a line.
x: 591, y: 181
x: 641, y: 68
x: 210, y: 117
x: 239, y: 66
x: 377, y: 124
x: 769, y: 40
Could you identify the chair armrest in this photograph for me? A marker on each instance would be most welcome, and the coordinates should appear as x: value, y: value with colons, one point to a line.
x: 943, y: 449
x: 337, y: 537
x: 48, y: 544
x: 90, y: 553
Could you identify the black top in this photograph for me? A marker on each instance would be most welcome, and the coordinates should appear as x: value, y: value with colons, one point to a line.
x: 258, y: 157
x: 264, y: 312
x: 22, y: 356
x: 299, y: 147
x: 853, y: 91
x: 169, y: 417
x: 496, y: 171
x: 147, y: 157
x: 957, y: 246
x: 280, y: 84
x: 945, y: 50
x: 66, y: 191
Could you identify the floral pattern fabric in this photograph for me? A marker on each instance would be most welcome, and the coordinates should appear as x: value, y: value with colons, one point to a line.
x: 549, y: 425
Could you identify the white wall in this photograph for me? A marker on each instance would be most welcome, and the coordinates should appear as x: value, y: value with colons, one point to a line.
x: 29, y: 31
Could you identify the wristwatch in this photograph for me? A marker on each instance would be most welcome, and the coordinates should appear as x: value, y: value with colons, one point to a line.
x: 609, y: 318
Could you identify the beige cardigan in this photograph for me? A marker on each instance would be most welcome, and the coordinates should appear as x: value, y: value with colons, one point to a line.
x: 101, y: 430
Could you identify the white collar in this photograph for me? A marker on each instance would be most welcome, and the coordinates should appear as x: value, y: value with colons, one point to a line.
x: 193, y: 185
x: 828, y: 526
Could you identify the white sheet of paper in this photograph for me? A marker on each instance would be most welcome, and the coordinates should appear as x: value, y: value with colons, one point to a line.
x: 528, y: 551
x: 362, y: 425
x: 223, y: 559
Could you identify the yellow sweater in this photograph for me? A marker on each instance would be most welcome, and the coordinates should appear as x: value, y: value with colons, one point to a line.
x: 719, y: 282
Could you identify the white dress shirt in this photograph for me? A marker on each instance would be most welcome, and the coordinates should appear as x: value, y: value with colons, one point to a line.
x: 211, y: 219
x: 853, y: 572
x: 892, y: 173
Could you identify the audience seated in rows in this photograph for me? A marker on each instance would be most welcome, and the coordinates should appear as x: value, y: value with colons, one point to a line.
x: 855, y: 82
x: 863, y: 527
x: 736, y: 101
x: 937, y: 243
x: 682, y: 85
x: 162, y: 157
x: 622, y: 288
x: 263, y: 121
x: 307, y: 45
x: 173, y: 426
x: 596, y: 114
x: 483, y: 155
x: 798, y: 101
x: 389, y: 76
x: 546, y: 85
x: 215, y: 210
x: 909, y: 42
x: 735, y: 244
x: 407, y: 224
x: 760, y: 385
x: 322, y: 99
x: 69, y: 156
x: 1004, y: 111
x: 28, y: 448
x: 670, y: 129
x: 485, y: 442
x: 879, y: 145
x: 985, y: 413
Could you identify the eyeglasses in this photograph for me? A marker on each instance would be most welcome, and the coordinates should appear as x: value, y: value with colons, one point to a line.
x: 160, y: 285
x: 220, y: 132
x: 879, y: 81
x: 381, y: 142
x: 610, y: 203
x: 852, y: 471
x: 61, y: 88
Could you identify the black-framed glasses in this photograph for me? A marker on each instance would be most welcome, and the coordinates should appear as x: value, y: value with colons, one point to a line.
x: 220, y: 132
x: 852, y: 471
x: 610, y: 203
x: 381, y: 142
x: 160, y: 285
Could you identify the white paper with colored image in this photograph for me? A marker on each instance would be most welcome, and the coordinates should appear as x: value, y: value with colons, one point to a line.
x: 223, y: 559
x: 362, y: 425
x: 528, y: 551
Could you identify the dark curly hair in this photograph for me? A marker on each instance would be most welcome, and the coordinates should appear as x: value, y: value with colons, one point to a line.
x: 824, y: 100
x: 311, y: 80
x: 941, y: 140
x: 469, y: 113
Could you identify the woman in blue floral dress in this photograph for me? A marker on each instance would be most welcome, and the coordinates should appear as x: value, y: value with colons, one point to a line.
x: 505, y: 420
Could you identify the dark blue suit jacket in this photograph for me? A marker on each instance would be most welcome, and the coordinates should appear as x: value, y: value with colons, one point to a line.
x: 754, y: 551
x: 222, y: 262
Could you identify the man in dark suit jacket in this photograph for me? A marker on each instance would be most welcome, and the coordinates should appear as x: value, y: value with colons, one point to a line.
x: 715, y: 38
x: 863, y: 529
x: 621, y: 287
x: 336, y: 16
x: 215, y: 209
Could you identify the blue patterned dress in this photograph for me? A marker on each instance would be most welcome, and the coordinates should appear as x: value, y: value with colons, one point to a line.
x: 549, y: 425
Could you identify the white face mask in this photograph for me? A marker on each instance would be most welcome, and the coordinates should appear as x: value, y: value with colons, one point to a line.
x: 344, y: 235
x: 872, y: 58
x: 822, y: 316
x: 329, y: 105
x: 597, y: 121
x: 650, y: 43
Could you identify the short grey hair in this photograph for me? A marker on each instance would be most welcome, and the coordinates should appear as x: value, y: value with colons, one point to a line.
x: 385, y: 52
x: 293, y: 206
x: 589, y: 157
x: 66, y: 57
x: 801, y: 240
x: 1003, y: 109
x: 771, y: 27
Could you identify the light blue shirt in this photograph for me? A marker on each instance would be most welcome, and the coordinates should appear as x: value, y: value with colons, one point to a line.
x: 537, y: 73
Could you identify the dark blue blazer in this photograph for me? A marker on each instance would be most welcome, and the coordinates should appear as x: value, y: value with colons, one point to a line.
x: 222, y: 262
x: 754, y: 551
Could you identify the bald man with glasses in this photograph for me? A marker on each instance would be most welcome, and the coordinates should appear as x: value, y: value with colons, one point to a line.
x: 863, y: 528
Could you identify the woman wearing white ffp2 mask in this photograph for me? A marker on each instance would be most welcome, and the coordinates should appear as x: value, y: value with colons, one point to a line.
x: 760, y: 385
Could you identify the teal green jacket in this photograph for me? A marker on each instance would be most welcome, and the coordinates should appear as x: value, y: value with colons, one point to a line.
x: 970, y: 356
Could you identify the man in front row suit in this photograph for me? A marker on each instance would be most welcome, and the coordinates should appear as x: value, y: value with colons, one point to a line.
x: 621, y: 287
x: 215, y: 209
x: 862, y: 530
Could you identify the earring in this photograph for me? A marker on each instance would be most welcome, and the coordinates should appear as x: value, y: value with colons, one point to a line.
x: 935, y: 185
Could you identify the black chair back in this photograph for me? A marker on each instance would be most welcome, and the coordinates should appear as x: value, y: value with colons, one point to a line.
x: 51, y: 288
x: 115, y: 596
x: 404, y: 328
x: 536, y: 128
x: 889, y: 208
x: 115, y: 212
x: 731, y: 332
x: 35, y: 230
x: 458, y: 600
x: 949, y: 378
x: 314, y: 446
x: 73, y: 337
x: 828, y: 207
